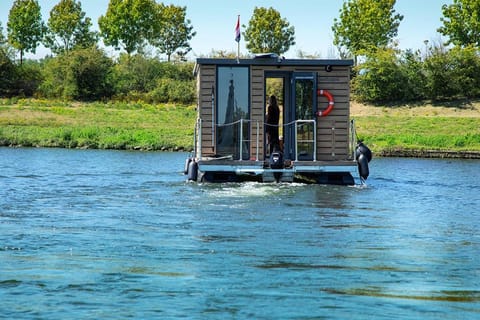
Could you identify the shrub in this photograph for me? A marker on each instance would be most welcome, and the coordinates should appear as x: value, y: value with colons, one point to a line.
x: 168, y: 90
x: 18, y: 80
x: 7, y: 74
x: 438, y: 68
x: 411, y: 66
x: 465, y: 73
x: 135, y: 73
x: 380, y: 78
x: 82, y: 74
x: 29, y: 78
x: 138, y: 77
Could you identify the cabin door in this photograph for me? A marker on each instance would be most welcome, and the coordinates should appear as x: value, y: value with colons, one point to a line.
x: 299, y: 138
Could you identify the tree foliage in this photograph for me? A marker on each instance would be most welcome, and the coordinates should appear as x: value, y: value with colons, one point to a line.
x: 391, y: 76
x: 2, y: 36
x: 174, y: 31
x: 7, y: 74
x: 138, y: 77
x: 129, y: 24
x: 25, y: 27
x: 461, y: 22
x: 379, y: 77
x: 267, y: 31
x: 82, y: 74
x: 365, y: 25
x: 135, y: 73
x: 69, y: 28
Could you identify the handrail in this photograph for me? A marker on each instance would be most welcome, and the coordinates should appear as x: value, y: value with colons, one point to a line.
x: 296, y: 123
x: 314, y: 137
x: 353, y: 138
x: 197, y: 136
x: 242, y: 140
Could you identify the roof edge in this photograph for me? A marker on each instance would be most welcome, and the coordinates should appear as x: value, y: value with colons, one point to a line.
x: 275, y: 61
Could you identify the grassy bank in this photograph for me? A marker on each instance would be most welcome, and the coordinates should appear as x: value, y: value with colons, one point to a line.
x: 421, y: 129
x: 386, y: 130
x: 96, y: 125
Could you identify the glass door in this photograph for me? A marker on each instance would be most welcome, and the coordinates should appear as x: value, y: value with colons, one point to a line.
x: 300, y: 127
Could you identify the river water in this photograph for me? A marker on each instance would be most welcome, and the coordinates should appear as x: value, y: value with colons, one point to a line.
x: 115, y: 235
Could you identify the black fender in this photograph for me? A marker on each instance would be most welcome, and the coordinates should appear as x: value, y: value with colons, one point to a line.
x: 362, y: 163
x: 192, y: 171
x: 363, y: 155
x: 363, y: 149
x: 187, y: 163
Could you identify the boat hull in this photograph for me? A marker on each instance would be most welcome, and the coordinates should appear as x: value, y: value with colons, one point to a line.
x: 317, y: 172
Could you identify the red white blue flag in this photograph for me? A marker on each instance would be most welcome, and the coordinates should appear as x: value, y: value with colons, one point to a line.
x: 237, y: 30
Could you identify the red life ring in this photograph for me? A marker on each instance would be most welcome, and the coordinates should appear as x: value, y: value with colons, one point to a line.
x: 331, y: 103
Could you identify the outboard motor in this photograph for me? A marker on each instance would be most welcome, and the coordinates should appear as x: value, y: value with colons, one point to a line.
x: 276, y: 162
x: 363, y: 155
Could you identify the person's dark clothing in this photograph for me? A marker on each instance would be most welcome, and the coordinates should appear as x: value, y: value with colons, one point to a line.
x: 273, y: 116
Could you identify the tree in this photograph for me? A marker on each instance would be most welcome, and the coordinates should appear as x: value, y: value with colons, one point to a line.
x: 365, y: 25
x: 68, y: 27
x: 379, y: 78
x: 7, y: 71
x: 128, y: 24
x: 174, y: 31
x: 439, y: 74
x: 461, y: 22
x: 25, y: 27
x: 2, y: 36
x: 268, y: 32
x: 81, y: 74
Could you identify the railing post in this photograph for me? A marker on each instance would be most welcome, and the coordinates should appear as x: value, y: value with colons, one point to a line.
x: 296, y: 141
x: 333, y: 140
x: 213, y: 118
x: 353, y: 138
x: 257, y: 141
x: 314, y: 140
x: 241, y: 139
x: 200, y: 136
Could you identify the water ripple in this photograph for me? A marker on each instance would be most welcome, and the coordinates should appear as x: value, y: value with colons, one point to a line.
x: 114, y: 235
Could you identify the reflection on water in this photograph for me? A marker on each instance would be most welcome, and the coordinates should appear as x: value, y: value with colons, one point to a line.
x: 453, y: 296
x: 102, y: 234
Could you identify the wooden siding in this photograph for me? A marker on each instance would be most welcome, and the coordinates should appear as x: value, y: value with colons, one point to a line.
x: 332, y: 130
x: 257, y: 106
x: 205, y: 81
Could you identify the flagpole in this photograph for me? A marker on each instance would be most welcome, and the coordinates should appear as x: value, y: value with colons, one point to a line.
x: 238, y: 37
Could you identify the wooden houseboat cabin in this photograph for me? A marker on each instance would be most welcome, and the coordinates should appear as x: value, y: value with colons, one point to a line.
x: 317, y: 139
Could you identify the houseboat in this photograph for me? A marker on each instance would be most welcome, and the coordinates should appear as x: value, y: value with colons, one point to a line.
x: 311, y: 138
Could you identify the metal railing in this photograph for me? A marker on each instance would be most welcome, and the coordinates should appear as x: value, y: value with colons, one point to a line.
x: 298, y: 125
x: 255, y: 137
x: 353, y: 138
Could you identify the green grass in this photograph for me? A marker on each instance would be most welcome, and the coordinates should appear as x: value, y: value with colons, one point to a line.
x: 96, y: 125
x: 419, y: 132
x: 140, y: 126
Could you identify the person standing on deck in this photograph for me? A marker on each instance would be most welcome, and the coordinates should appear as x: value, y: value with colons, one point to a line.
x: 272, y: 118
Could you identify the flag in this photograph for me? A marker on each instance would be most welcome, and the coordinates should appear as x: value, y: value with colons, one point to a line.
x: 237, y: 30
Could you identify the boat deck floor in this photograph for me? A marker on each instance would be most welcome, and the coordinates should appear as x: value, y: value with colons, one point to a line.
x: 317, y: 171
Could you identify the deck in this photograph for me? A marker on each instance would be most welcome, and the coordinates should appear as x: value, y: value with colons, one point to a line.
x: 218, y: 170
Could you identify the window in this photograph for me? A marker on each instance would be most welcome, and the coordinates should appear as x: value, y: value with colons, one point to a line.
x: 233, y: 105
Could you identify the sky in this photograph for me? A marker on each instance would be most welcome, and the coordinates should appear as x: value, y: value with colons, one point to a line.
x: 214, y: 22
